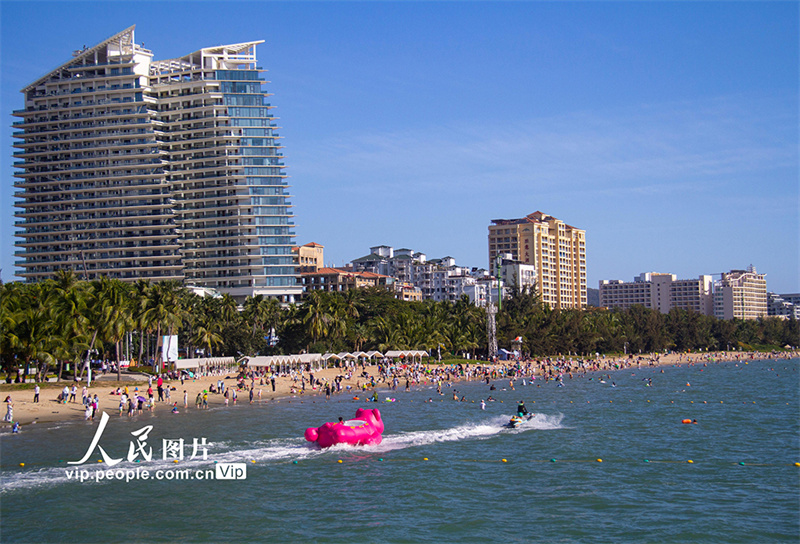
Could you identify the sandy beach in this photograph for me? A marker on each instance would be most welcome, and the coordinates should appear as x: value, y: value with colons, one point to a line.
x: 49, y: 408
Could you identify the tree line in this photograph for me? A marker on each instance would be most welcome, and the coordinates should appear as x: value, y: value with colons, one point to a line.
x: 64, y: 321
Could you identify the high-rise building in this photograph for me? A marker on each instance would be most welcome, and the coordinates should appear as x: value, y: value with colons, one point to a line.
x: 741, y: 294
x: 660, y: 292
x: 555, y: 249
x: 137, y: 168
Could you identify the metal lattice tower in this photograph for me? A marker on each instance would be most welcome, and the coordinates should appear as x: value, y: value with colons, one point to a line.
x: 491, y: 329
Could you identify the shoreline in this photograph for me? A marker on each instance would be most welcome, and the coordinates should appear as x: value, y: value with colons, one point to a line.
x: 48, y: 409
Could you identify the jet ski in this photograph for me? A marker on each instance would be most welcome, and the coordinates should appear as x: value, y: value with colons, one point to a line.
x: 516, y: 421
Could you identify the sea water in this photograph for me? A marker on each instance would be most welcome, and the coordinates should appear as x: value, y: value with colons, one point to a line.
x: 606, y: 458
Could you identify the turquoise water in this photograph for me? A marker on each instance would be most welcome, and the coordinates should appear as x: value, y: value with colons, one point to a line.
x: 550, y: 489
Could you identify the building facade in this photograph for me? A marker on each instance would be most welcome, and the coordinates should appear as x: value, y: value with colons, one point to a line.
x: 660, y: 292
x: 342, y: 279
x: 309, y: 257
x: 434, y: 279
x: 136, y: 168
x: 778, y: 306
x: 741, y: 294
x: 556, y: 250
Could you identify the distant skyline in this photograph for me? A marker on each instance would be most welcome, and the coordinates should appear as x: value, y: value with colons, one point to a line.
x: 668, y: 131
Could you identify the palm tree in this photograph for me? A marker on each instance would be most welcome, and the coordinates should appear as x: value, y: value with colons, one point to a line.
x: 207, y: 334
x: 315, y: 315
x: 140, y: 293
x: 263, y: 312
x: 69, y: 300
x: 32, y: 337
x: 163, y: 310
x: 359, y: 334
x: 10, y: 303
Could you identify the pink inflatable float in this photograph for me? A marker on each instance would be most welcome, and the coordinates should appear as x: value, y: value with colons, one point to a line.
x: 365, y: 429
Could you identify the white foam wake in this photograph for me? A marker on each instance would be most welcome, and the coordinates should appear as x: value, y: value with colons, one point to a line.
x: 292, y: 449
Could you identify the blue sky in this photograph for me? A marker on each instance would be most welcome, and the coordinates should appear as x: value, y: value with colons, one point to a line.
x: 667, y: 130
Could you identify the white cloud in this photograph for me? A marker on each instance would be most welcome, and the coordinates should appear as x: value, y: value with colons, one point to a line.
x: 655, y: 150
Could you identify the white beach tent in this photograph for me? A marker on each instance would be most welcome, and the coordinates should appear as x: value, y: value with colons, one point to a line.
x: 205, y: 363
x: 413, y: 354
x: 284, y: 363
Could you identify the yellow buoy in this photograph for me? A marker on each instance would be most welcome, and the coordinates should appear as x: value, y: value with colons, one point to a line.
x: 252, y: 460
x: 505, y: 461
x: 599, y: 460
x: 339, y: 461
x: 175, y: 461
x: 99, y: 460
x: 424, y: 458
x: 22, y: 464
x: 690, y: 461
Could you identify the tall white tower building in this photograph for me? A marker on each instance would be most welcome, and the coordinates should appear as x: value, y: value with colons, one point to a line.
x: 741, y: 294
x: 136, y: 168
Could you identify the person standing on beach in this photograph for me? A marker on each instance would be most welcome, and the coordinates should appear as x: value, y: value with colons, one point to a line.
x: 272, y: 381
x: 73, y: 392
x: 185, y: 399
x: 251, y: 394
x: 9, y: 411
x: 199, y: 400
x: 36, y: 393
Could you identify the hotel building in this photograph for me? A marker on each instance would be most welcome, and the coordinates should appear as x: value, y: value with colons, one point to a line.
x: 134, y: 168
x: 660, y: 292
x: 741, y: 294
x: 556, y: 250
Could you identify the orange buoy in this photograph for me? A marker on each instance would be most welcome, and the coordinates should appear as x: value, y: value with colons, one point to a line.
x: 686, y: 421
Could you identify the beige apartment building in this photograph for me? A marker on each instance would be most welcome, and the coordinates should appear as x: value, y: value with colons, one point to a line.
x: 309, y: 257
x: 555, y: 249
x: 741, y: 294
